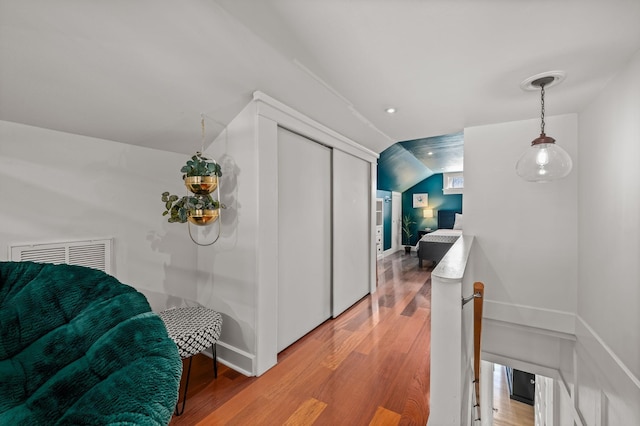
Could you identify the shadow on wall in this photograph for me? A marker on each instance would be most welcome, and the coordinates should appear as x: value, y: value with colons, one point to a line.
x: 229, y: 193
x: 180, y: 250
x: 230, y: 327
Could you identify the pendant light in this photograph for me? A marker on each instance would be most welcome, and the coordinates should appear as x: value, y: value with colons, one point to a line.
x: 544, y: 161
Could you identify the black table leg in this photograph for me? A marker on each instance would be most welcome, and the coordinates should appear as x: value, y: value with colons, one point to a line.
x: 186, y: 386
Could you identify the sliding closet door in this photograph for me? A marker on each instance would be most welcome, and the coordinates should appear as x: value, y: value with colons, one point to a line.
x: 304, y: 236
x: 351, y: 230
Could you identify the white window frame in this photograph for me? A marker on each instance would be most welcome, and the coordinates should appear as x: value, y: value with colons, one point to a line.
x: 448, y: 183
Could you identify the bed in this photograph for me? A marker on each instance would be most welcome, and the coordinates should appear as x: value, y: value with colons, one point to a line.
x: 434, y: 245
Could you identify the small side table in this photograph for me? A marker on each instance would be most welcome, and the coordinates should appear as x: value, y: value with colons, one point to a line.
x: 193, y: 329
x: 423, y: 232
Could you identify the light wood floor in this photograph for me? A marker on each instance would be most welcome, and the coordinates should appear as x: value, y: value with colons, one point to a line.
x: 370, y: 366
x: 508, y: 412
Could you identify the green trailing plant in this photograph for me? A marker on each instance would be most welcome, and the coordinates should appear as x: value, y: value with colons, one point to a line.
x: 199, y: 165
x: 407, y: 222
x: 178, y: 208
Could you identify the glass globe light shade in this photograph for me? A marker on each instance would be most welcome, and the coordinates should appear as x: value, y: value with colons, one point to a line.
x: 544, y: 162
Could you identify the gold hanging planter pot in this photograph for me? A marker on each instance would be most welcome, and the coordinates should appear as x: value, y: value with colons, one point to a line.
x: 203, y: 217
x: 201, y: 185
x: 201, y: 178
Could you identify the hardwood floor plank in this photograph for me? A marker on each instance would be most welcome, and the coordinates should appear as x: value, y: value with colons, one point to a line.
x: 381, y: 334
x: 307, y: 413
x: 384, y: 417
x: 368, y: 366
x: 404, y: 384
x: 508, y: 412
x: 343, y: 349
x: 356, y: 383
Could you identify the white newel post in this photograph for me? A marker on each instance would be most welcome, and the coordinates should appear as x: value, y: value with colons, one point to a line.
x: 446, y: 355
x: 446, y: 392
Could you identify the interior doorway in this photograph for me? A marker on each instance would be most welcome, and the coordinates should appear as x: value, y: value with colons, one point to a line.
x: 519, y: 398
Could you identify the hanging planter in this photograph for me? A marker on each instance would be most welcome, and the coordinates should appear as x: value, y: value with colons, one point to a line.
x: 198, y: 209
x: 200, y: 176
x: 199, y: 165
x: 202, y: 217
x: 201, y: 184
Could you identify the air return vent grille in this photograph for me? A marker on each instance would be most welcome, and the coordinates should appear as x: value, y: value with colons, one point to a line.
x: 94, y: 254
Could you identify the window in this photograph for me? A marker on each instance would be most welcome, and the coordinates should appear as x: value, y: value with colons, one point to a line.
x: 452, y: 183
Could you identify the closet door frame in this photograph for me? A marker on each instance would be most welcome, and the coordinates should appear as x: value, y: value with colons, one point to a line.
x: 270, y: 114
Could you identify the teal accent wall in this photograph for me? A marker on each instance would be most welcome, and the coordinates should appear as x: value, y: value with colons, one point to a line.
x: 437, y: 201
x: 386, y: 217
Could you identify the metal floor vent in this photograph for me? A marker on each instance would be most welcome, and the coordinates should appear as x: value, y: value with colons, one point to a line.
x: 94, y: 254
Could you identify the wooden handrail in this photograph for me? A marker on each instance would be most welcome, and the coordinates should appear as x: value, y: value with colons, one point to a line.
x: 478, y: 287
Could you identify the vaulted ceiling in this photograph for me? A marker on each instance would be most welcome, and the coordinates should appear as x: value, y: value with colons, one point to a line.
x: 141, y: 72
x: 404, y: 164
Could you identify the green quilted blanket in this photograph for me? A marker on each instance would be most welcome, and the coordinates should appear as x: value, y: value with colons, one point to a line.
x: 79, y: 347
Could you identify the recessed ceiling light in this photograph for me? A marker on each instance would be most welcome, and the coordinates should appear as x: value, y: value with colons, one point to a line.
x: 390, y: 110
x: 429, y: 153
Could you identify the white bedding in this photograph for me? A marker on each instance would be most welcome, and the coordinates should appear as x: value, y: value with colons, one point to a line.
x: 441, y: 236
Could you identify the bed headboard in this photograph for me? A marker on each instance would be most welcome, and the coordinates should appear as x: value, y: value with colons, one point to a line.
x: 446, y: 218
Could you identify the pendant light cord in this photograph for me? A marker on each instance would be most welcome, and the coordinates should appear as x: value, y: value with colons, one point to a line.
x: 542, y: 108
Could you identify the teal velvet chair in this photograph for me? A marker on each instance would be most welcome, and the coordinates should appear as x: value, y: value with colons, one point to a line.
x: 79, y: 347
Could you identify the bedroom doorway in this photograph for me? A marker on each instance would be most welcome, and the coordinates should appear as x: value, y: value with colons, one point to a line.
x: 396, y: 221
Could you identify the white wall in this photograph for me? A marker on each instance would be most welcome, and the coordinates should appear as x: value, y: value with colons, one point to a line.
x: 526, y: 246
x: 238, y: 276
x: 57, y: 186
x: 227, y: 270
x: 526, y: 233
x: 608, y: 362
x: 560, y: 260
x: 609, y: 216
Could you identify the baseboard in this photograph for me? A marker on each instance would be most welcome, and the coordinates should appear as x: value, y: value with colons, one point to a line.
x: 234, y: 358
x: 530, y: 316
x: 389, y: 252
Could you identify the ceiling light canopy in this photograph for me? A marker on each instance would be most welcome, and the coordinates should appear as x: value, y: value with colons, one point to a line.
x: 544, y: 161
